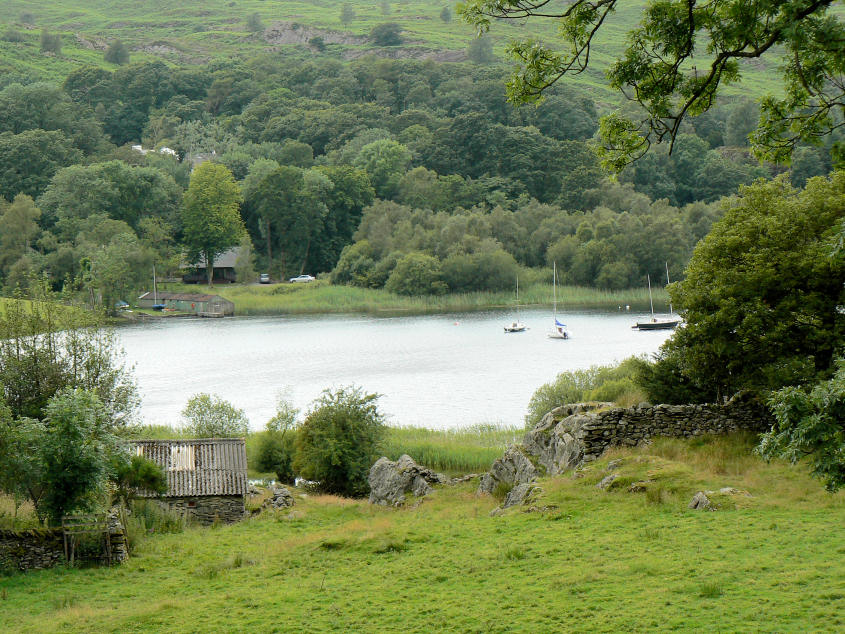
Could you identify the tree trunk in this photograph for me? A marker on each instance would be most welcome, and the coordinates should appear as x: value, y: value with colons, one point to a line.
x: 209, y: 267
x: 305, y: 257
x: 269, y: 247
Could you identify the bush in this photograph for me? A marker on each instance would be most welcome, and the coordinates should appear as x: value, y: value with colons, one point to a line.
x: 209, y: 416
x: 51, y: 42
x: 484, y: 271
x: 254, y: 23
x: 117, y: 53
x: 598, y: 383
x: 277, y: 444
x: 388, y: 34
x: 417, y: 274
x: 339, y: 440
x: 11, y: 35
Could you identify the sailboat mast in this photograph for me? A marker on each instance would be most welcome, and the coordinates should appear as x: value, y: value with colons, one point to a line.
x: 667, y: 284
x: 517, y: 297
x: 650, y: 300
x: 554, y: 288
x: 155, y: 290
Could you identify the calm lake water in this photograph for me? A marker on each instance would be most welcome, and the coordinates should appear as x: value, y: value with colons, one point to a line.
x: 438, y: 371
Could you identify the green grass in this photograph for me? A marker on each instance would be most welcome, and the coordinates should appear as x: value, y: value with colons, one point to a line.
x: 321, y: 297
x: 197, y: 31
x: 593, y: 561
x: 452, y: 451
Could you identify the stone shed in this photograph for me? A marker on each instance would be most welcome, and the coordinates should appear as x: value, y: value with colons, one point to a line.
x: 206, y: 478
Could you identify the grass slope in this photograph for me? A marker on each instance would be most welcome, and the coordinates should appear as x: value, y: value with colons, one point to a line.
x: 594, y: 561
x: 198, y: 31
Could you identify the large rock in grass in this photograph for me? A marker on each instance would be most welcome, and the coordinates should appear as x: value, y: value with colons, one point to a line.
x: 557, y: 441
x: 391, y: 481
x: 513, y: 468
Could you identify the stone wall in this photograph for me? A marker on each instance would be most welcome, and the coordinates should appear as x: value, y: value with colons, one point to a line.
x: 40, y: 548
x: 573, y: 434
x: 206, y: 510
x: 33, y: 549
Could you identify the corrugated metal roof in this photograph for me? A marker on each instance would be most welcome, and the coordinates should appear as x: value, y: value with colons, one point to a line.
x: 195, y: 467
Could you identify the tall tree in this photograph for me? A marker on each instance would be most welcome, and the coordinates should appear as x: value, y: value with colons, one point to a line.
x: 678, y: 57
x: 211, y: 219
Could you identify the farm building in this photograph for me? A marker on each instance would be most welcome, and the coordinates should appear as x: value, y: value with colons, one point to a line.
x: 199, y: 303
x: 224, y: 268
x: 206, y: 478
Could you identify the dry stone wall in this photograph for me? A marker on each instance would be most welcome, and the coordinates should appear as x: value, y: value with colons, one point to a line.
x: 208, y: 509
x: 573, y: 434
x: 33, y: 549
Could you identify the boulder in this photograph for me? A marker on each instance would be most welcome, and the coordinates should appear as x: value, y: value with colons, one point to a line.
x: 557, y: 441
x: 390, y: 481
x: 280, y: 499
x: 607, y: 481
x: 513, y: 468
x: 521, y: 494
x: 700, y: 502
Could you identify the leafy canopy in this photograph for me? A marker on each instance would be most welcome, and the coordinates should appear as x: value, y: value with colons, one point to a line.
x: 679, y: 56
x: 209, y: 416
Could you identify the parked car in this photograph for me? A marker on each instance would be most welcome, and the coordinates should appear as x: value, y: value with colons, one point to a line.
x: 303, y: 278
x: 264, y: 278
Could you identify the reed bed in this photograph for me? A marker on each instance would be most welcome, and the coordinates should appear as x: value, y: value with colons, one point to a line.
x: 453, y: 451
x: 322, y: 297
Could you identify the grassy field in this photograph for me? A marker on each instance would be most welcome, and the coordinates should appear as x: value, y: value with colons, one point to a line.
x: 321, y: 297
x: 591, y: 561
x: 199, y: 31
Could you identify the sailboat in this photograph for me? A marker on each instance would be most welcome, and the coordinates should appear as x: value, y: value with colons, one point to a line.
x: 516, y: 326
x: 655, y: 323
x: 559, y: 330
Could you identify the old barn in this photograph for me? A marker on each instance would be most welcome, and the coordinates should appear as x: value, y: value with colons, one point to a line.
x: 206, y: 478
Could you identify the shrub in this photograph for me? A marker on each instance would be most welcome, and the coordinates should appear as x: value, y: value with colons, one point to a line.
x: 209, y: 416
x: 598, y: 383
x: 11, y: 35
x: 388, y: 34
x: 51, y: 42
x: 117, y: 53
x: 417, y: 274
x: 339, y: 440
x: 483, y: 271
x: 278, y: 442
x: 254, y: 23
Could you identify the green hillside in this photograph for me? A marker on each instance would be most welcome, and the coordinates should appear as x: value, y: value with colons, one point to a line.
x: 197, y: 32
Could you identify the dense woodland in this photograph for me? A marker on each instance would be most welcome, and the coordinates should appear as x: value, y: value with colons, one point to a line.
x: 412, y: 160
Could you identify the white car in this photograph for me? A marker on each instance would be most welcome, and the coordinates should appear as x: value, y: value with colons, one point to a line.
x: 303, y: 278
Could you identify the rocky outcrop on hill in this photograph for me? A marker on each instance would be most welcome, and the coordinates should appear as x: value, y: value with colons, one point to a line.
x: 391, y: 481
x: 571, y: 435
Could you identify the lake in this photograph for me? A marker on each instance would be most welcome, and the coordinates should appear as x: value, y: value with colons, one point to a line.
x: 437, y: 371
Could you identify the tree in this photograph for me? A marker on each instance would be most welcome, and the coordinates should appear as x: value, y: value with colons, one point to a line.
x: 761, y: 296
x: 347, y: 14
x: 387, y: 34
x: 278, y: 442
x: 680, y: 55
x: 254, y: 23
x: 209, y: 416
x: 74, y: 451
x: 810, y: 423
x: 18, y: 229
x: 446, y: 14
x: 339, y: 440
x: 417, y: 274
x: 46, y: 347
x: 211, y: 219
x: 117, y: 53
x: 51, y: 42
x: 480, y: 50
x: 385, y: 161
x: 29, y: 160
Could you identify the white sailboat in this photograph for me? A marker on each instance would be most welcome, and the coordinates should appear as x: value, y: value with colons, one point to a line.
x: 516, y: 326
x: 559, y: 330
x: 655, y: 323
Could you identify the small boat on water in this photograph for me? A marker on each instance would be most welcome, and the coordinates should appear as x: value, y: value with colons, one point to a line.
x: 516, y: 326
x: 559, y: 330
x: 656, y: 323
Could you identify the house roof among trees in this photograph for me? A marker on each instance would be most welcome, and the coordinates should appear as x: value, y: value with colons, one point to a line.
x: 197, y: 467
